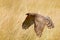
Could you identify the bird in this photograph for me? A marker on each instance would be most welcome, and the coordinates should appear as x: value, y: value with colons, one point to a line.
x: 39, y: 22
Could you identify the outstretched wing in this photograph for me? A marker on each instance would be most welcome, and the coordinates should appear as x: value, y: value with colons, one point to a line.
x: 49, y: 23
x: 27, y: 22
x: 38, y: 27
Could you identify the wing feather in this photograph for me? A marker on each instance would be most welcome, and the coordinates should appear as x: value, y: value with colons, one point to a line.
x: 27, y: 22
x: 50, y: 24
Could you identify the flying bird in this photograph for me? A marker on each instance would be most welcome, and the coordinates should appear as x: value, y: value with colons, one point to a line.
x: 39, y: 22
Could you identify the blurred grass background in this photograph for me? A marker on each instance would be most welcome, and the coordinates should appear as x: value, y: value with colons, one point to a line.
x: 12, y: 14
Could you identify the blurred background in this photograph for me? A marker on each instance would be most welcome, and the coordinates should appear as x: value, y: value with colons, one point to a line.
x: 12, y: 14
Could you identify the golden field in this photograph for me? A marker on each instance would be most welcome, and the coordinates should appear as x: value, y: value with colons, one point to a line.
x: 12, y: 14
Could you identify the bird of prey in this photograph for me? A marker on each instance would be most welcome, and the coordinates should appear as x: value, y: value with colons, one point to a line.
x: 39, y: 22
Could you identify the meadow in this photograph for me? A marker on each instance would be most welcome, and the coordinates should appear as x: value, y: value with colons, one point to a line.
x: 12, y: 15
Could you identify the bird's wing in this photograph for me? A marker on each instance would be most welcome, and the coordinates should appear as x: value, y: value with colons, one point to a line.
x: 38, y: 27
x: 27, y: 22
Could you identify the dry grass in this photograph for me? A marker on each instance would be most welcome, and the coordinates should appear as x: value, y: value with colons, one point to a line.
x: 12, y: 14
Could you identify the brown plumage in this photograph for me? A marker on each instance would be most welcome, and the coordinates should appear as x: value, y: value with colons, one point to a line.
x: 39, y: 22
